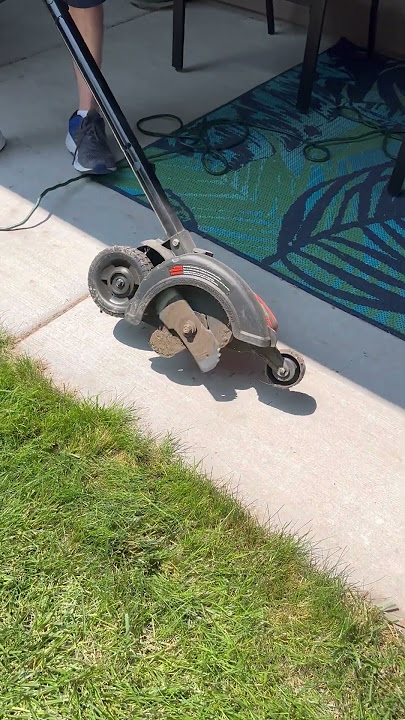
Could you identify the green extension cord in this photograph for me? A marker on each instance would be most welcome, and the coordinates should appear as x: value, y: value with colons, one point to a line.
x: 198, y: 142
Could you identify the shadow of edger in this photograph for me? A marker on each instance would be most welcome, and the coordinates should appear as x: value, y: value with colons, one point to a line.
x: 236, y: 371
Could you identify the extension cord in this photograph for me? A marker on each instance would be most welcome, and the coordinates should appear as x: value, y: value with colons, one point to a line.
x: 212, y: 154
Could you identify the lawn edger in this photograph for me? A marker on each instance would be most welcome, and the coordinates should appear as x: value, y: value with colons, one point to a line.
x: 192, y: 301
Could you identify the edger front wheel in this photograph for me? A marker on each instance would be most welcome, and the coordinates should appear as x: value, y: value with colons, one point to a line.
x: 114, y: 277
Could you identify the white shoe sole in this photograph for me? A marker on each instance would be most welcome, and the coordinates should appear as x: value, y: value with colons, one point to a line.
x: 71, y: 146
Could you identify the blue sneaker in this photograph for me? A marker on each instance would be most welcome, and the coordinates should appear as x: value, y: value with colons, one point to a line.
x: 87, y: 142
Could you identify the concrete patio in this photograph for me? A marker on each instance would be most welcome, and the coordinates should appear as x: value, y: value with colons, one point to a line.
x: 327, y: 458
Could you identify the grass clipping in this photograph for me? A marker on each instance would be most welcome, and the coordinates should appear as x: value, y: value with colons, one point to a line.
x: 130, y: 588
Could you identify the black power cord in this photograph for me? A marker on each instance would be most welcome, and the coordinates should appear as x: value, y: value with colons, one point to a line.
x: 197, y: 141
x: 58, y: 186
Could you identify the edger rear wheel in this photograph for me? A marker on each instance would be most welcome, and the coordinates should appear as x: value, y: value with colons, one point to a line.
x: 290, y: 374
x: 114, y: 277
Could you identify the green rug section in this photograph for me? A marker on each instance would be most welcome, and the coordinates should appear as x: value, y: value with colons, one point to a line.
x: 303, y: 196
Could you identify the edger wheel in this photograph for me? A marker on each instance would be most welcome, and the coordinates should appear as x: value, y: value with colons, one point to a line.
x: 292, y: 372
x: 114, y: 277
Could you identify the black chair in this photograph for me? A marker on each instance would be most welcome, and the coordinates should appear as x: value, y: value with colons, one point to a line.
x: 317, y: 10
x: 179, y: 21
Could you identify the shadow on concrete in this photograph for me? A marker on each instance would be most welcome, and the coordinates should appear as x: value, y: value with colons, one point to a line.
x: 235, y: 372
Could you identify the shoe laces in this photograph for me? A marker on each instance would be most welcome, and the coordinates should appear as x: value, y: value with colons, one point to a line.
x: 94, y: 131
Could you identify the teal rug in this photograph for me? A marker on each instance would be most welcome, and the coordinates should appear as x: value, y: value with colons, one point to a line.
x: 327, y: 227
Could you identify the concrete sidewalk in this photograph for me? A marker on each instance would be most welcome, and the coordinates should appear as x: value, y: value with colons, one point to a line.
x: 327, y: 456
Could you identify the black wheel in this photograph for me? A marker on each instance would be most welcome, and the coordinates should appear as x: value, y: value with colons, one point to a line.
x: 290, y: 374
x: 114, y: 277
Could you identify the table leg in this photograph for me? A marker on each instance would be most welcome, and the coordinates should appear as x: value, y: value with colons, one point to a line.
x: 398, y: 174
x: 316, y: 20
x: 179, y: 20
x: 372, y: 28
x: 270, y: 17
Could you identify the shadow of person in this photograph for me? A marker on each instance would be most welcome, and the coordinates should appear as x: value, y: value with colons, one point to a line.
x: 235, y: 372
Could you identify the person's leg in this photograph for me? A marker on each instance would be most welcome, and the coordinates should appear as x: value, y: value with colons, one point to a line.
x: 90, y: 22
x: 86, y: 138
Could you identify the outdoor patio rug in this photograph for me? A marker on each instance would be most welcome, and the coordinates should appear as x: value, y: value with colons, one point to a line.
x: 328, y: 227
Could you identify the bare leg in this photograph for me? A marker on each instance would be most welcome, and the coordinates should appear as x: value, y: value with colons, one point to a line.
x: 86, y: 139
x: 90, y: 23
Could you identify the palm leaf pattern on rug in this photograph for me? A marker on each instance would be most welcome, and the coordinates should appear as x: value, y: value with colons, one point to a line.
x: 330, y: 228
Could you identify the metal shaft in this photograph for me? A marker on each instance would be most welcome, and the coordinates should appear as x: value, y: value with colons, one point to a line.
x: 123, y: 133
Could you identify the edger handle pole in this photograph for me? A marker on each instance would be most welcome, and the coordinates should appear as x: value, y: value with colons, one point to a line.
x: 116, y: 119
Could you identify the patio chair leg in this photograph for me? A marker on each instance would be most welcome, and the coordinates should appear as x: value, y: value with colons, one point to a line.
x: 316, y: 20
x: 179, y: 20
x: 270, y: 17
x: 398, y: 174
x: 372, y: 27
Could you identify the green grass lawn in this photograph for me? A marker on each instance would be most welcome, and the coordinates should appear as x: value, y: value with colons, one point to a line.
x: 130, y: 588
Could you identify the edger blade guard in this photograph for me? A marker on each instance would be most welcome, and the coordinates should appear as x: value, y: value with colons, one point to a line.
x: 244, y: 310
